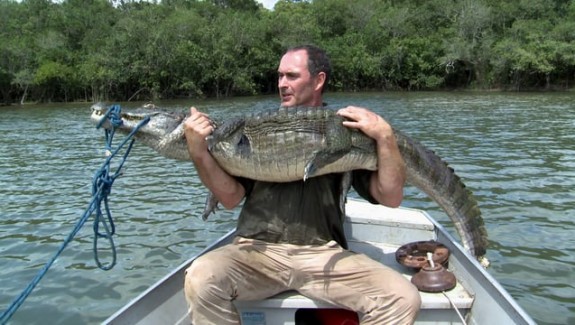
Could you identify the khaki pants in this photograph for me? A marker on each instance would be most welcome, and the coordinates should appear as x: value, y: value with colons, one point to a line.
x: 250, y: 270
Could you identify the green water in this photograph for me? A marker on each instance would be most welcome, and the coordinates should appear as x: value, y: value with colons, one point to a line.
x: 516, y: 152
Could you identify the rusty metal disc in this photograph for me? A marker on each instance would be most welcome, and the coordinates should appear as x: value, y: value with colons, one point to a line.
x: 434, y: 279
x: 414, y: 255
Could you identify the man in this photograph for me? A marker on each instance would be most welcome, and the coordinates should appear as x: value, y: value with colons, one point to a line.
x: 290, y: 235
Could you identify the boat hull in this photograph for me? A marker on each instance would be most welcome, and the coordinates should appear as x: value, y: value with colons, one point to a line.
x: 373, y: 230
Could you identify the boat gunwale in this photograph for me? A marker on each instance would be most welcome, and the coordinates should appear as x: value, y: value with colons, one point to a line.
x: 474, y: 270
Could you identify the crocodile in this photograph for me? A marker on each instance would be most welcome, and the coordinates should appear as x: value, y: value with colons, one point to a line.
x: 296, y: 143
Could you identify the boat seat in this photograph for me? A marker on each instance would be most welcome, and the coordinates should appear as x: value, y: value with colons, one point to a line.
x: 281, y: 308
x: 377, y: 234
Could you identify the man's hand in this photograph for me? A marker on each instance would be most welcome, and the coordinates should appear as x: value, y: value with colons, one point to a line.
x: 196, y: 128
x: 373, y: 125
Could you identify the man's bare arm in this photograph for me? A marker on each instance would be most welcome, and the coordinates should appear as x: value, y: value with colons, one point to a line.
x: 226, y: 188
x: 387, y: 182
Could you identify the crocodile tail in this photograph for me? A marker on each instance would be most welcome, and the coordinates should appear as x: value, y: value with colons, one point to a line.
x: 428, y: 172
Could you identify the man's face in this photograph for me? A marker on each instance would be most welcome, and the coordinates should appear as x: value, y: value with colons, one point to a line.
x: 296, y: 85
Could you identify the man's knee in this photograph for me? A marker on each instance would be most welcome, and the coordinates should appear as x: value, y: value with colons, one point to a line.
x: 400, y: 308
x: 202, y: 275
x: 410, y: 303
x: 415, y: 299
x: 210, y: 292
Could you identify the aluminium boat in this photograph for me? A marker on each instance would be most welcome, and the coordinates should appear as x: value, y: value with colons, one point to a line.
x: 378, y: 232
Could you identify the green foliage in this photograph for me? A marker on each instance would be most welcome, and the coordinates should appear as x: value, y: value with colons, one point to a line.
x: 411, y: 63
x: 127, y: 50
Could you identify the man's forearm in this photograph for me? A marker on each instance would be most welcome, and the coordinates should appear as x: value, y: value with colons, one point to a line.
x: 388, y: 181
x: 227, y: 189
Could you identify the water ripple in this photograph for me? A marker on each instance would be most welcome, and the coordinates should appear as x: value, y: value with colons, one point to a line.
x: 514, y: 151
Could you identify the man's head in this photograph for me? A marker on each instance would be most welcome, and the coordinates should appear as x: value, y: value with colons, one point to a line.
x: 303, y: 74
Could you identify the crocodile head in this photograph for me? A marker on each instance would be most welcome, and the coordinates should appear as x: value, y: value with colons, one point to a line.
x: 164, y: 132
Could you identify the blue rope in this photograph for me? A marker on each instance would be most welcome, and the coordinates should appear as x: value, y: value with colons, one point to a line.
x: 101, y: 188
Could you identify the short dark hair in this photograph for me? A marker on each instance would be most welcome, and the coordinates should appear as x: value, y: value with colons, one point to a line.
x: 317, y: 61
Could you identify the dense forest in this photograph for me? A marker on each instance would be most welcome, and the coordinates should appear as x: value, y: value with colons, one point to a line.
x: 121, y: 50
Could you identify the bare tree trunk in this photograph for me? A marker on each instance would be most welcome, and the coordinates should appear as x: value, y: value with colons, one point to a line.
x: 137, y: 92
x: 24, y: 95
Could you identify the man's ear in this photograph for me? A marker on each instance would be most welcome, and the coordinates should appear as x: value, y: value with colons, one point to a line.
x: 319, y: 80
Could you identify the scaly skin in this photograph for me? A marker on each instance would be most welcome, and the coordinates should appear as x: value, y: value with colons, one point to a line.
x: 291, y: 144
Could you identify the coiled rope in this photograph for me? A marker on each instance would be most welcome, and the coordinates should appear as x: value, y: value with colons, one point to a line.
x: 101, y: 188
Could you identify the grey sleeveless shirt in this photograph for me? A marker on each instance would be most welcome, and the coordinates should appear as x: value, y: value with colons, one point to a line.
x: 300, y: 213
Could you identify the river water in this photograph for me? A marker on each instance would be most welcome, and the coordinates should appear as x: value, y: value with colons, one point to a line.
x: 516, y: 152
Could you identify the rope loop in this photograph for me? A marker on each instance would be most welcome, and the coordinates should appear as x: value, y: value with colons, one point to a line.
x: 103, y: 181
x: 101, y: 188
